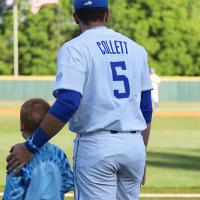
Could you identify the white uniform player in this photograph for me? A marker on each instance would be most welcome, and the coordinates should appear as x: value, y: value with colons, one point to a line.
x: 110, y: 71
x: 103, y: 86
x: 155, y: 79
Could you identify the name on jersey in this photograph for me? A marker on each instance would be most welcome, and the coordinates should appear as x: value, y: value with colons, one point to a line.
x: 112, y: 47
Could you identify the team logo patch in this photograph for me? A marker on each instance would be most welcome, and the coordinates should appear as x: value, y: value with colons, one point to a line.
x: 88, y: 3
x: 59, y: 76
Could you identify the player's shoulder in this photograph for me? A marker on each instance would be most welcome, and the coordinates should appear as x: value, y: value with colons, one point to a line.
x: 73, y: 47
x: 133, y: 43
x: 51, y: 149
x: 73, y: 43
x: 49, y: 153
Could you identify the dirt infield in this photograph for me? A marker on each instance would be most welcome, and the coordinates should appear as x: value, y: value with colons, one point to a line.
x: 15, y: 112
x: 177, y: 114
x: 168, y: 109
x: 9, y: 111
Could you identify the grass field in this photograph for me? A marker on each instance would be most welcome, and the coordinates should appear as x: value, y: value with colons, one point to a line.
x: 149, y: 198
x: 173, y: 158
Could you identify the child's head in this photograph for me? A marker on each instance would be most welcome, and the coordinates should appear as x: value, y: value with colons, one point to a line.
x: 31, y: 115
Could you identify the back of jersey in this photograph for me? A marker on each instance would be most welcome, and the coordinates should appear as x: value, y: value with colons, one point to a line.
x: 113, y: 71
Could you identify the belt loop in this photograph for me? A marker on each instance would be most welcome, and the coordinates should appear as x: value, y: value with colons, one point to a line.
x: 133, y: 131
x: 113, y: 132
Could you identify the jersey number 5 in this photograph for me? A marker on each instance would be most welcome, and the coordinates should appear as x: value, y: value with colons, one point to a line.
x: 123, y: 78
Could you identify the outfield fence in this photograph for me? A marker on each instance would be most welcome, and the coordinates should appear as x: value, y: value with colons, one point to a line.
x: 172, y: 89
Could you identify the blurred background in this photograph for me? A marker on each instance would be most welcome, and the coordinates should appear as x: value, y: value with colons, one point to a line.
x: 31, y: 32
x: 169, y: 30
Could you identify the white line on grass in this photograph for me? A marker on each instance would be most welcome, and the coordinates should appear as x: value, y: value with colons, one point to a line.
x: 152, y: 195
x: 170, y: 195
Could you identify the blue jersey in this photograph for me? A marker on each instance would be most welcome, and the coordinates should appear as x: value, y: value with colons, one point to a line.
x: 47, y: 176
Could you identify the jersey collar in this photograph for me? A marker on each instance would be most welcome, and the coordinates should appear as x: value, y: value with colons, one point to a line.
x: 97, y: 28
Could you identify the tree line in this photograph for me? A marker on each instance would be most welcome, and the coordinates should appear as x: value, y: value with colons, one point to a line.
x: 169, y: 30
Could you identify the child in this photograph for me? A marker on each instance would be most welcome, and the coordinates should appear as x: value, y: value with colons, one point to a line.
x: 48, y: 175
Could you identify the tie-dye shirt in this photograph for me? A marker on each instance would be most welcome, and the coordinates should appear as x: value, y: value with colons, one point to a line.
x: 47, y: 176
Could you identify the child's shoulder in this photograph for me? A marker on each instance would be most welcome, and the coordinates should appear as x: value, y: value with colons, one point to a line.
x: 48, y: 147
x: 50, y: 150
x: 49, y: 154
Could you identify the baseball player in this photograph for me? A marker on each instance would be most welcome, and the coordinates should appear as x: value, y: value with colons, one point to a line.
x: 48, y: 176
x: 155, y: 79
x: 103, y: 87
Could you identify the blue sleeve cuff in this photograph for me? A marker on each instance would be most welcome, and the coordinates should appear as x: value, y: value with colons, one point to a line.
x: 146, y: 105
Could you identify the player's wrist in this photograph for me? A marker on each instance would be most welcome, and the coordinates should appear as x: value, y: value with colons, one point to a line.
x: 30, y: 146
x: 145, y: 148
x: 38, y: 139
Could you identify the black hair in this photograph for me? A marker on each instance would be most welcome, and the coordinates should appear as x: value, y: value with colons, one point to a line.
x: 87, y: 15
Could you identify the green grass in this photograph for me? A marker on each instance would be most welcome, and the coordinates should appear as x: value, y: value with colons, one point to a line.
x: 154, y: 198
x: 151, y: 198
x: 173, y: 157
x: 162, y: 198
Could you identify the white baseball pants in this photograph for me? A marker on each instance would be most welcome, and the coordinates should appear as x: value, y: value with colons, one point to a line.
x: 108, y: 166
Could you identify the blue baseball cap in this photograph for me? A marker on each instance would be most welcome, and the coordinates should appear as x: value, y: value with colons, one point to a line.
x: 90, y: 4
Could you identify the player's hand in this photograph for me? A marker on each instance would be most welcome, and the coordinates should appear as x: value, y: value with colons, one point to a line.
x: 18, y: 157
x: 144, y: 176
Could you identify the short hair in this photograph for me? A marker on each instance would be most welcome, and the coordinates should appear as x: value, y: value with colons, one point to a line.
x: 32, y: 113
x: 87, y: 15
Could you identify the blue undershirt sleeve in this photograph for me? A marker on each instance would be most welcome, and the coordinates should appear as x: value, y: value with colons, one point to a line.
x: 66, y: 105
x: 146, y: 105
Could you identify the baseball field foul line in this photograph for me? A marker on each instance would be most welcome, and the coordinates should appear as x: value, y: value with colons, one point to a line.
x: 152, y: 195
x: 170, y: 195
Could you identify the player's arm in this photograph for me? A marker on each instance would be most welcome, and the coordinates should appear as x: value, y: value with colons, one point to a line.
x: 146, y: 101
x: 146, y: 108
x: 146, y: 134
x: 58, y: 115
